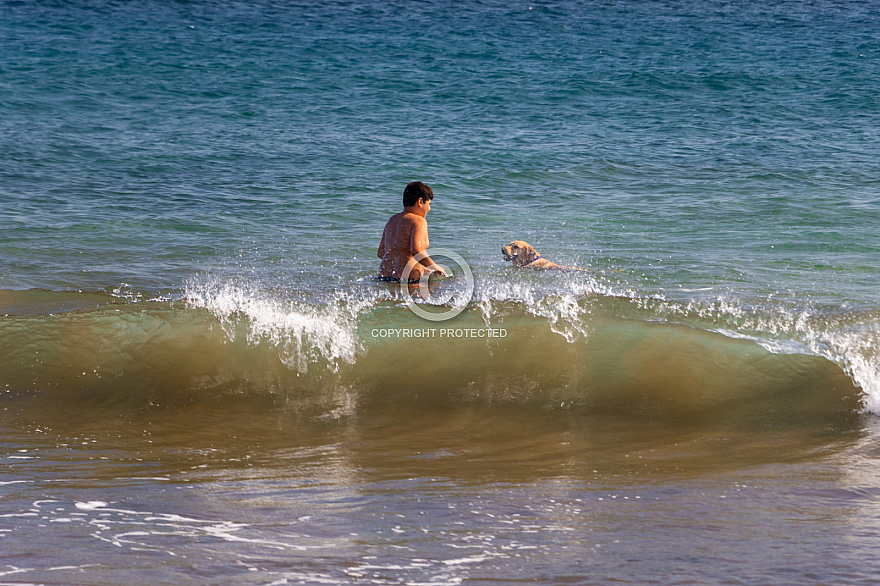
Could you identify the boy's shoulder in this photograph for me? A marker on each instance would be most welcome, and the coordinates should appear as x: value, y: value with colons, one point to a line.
x: 408, y: 217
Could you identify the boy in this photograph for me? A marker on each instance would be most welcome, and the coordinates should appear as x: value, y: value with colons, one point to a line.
x: 405, y: 235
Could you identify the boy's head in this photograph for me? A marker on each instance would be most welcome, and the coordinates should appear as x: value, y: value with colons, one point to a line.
x: 416, y: 191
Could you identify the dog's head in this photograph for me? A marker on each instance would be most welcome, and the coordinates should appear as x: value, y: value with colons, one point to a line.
x: 520, y: 252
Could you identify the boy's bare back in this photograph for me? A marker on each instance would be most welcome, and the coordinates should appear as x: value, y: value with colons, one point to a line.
x: 406, y: 234
x: 398, y: 244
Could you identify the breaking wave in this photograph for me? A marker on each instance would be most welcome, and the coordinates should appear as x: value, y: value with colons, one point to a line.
x: 534, y: 342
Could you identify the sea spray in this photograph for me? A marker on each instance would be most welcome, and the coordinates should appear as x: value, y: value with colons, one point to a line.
x: 850, y: 339
x: 302, y: 333
x: 561, y: 305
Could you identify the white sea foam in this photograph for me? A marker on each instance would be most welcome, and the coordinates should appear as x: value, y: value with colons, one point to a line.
x: 558, y: 303
x: 91, y: 505
x: 302, y: 333
x: 850, y: 340
x: 857, y: 350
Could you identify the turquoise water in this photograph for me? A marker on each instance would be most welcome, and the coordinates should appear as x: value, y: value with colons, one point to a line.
x: 695, y: 143
x: 192, y: 196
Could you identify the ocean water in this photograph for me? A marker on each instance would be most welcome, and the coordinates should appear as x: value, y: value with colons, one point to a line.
x: 202, y: 382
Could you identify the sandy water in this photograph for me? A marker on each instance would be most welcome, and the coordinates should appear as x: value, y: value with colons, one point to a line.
x: 435, y: 496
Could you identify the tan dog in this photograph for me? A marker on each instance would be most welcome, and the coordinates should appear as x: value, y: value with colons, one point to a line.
x: 524, y: 255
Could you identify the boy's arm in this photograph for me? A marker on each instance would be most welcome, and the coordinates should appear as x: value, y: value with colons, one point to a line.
x: 382, y: 245
x: 419, y: 238
x: 419, y: 243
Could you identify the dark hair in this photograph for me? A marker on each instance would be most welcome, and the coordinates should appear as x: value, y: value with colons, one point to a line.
x: 416, y: 191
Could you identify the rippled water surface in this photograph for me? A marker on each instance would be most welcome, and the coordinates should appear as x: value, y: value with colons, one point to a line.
x: 200, y: 381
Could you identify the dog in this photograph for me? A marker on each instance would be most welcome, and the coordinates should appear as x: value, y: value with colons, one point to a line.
x: 523, y: 254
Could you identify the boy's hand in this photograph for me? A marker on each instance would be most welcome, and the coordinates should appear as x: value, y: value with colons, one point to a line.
x: 439, y: 270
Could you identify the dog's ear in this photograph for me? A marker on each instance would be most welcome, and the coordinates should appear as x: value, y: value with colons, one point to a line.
x: 528, y: 252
